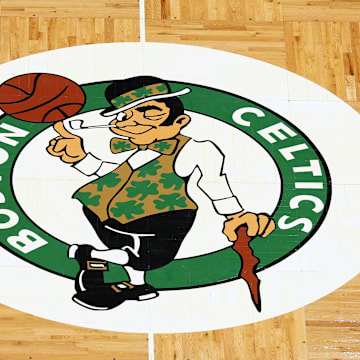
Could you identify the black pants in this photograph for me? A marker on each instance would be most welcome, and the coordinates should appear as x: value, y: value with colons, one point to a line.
x: 156, y: 251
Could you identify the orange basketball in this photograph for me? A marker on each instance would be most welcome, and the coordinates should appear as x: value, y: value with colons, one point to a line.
x: 41, y: 97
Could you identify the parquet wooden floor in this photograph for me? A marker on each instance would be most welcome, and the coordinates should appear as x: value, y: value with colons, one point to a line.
x: 319, y: 40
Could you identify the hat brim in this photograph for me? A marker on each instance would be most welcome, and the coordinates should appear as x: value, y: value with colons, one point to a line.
x: 110, y: 111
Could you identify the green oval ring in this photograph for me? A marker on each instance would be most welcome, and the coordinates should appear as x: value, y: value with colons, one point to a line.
x: 217, y: 267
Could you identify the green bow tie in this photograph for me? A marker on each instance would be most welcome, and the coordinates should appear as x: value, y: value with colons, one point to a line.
x: 165, y: 147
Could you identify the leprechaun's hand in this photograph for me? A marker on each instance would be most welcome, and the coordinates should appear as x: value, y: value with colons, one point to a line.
x: 68, y: 147
x: 257, y: 225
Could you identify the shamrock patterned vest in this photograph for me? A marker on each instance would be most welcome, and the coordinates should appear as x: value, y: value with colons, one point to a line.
x: 127, y: 195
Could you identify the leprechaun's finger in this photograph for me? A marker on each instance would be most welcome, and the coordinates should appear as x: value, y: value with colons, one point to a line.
x: 229, y: 229
x: 50, y: 150
x: 251, y: 221
x: 60, y: 129
x: 263, y: 221
x: 54, y: 141
x: 61, y: 145
x: 269, y: 229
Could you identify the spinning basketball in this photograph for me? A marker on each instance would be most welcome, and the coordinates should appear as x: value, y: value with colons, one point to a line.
x: 41, y: 97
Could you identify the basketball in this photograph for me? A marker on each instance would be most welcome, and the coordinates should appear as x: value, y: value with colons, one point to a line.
x: 40, y: 97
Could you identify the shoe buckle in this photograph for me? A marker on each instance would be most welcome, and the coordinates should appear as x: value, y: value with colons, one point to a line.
x: 130, y: 286
x: 119, y: 290
x: 116, y: 289
x: 96, y: 265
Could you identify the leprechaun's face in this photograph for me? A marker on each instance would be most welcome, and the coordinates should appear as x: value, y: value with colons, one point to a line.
x: 142, y: 124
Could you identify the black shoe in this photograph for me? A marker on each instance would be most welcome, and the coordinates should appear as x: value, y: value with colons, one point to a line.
x: 91, y: 274
x: 112, y: 295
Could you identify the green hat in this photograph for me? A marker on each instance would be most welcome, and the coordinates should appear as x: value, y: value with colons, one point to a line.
x: 155, y: 91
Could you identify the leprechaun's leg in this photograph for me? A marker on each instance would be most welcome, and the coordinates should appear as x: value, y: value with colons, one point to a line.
x: 166, y: 232
x: 91, y: 273
x: 105, y: 231
x: 93, y: 262
x: 116, y: 256
x: 137, y: 277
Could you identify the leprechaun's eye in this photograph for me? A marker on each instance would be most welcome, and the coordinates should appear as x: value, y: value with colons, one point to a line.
x: 154, y: 117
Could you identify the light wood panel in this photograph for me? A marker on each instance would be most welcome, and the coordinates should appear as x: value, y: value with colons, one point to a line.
x: 21, y: 36
x: 260, y: 40
x: 280, y: 338
x: 321, y: 10
x: 328, y: 329
x: 333, y: 324
x: 248, y: 27
x: 326, y: 53
x: 124, y: 9
x: 228, y: 10
x: 24, y: 336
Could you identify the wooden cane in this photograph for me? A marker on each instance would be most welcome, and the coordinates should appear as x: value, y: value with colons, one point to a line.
x: 248, y: 265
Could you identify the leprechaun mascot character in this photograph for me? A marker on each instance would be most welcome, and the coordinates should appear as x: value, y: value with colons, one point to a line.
x: 139, y: 207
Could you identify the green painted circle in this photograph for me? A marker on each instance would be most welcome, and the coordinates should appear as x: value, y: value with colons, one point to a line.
x: 207, y: 269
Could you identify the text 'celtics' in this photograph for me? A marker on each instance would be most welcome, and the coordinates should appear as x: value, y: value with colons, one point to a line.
x: 303, y: 182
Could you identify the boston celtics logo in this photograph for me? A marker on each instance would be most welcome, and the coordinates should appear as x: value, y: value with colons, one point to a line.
x: 144, y: 192
x: 140, y: 184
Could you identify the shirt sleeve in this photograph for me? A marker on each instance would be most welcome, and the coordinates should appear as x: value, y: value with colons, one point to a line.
x: 91, y: 165
x: 209, y: 160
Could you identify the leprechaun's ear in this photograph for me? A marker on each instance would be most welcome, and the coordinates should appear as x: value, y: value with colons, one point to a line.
x: 182, y: 120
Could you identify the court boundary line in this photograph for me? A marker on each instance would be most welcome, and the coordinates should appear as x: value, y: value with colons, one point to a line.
x: 151, y: 345
x: 142, y: 21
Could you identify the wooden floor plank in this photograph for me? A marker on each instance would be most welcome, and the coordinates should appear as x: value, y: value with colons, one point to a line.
x: 280, y: 338
x: 48, y: 33
x: 225, y: 10
x: 261, y: 40
x: 321, y: 10
x: 125, y: 9
x: 23, y: 336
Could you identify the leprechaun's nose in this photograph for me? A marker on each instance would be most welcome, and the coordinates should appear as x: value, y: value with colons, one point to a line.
x: 121, y: 116
x: 125, y: 118
x: 132, y: 121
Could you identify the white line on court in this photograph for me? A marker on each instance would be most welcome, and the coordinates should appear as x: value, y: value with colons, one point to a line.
x: 142, y: 40
x: 151, y: 345
x: 142, y: 20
